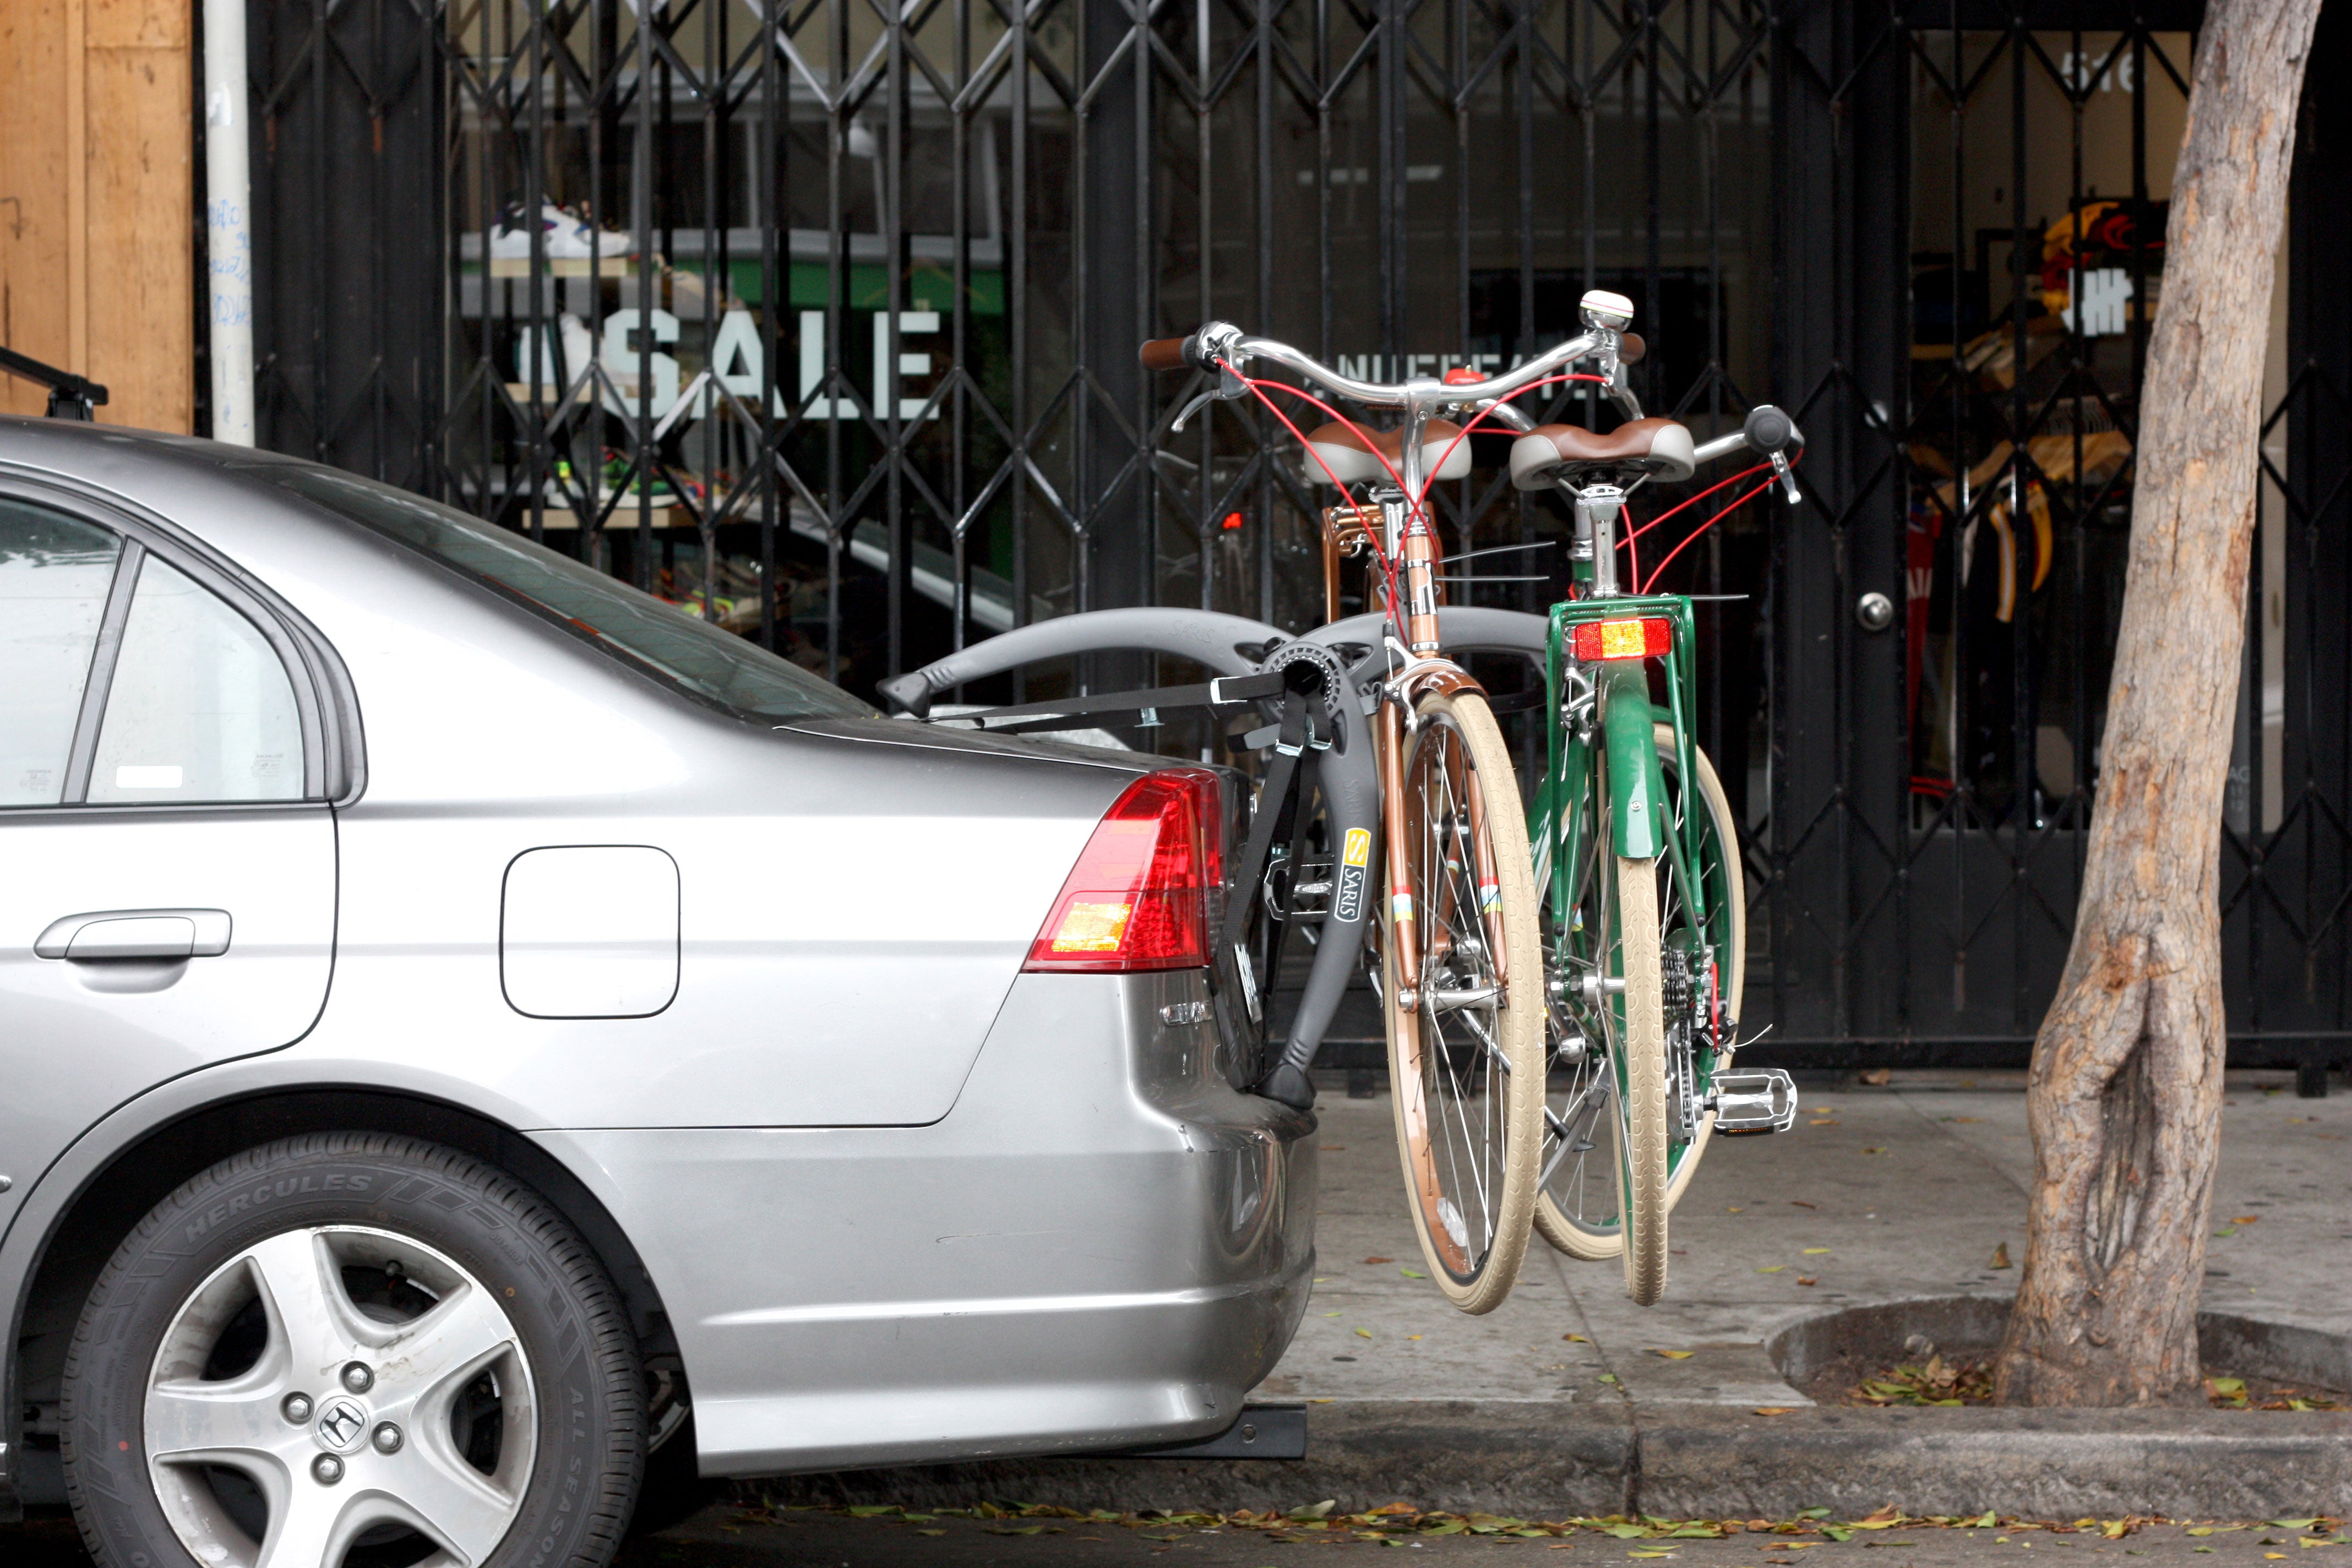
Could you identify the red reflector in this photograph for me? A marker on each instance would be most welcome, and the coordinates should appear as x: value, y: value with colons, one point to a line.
x: 1232, y: 520
x: 1138, y: 897
x: 1621, y: 639
x: 1462, y: 375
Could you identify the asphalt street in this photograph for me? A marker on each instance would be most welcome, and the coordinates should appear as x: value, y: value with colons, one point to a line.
x: 725, y: 1536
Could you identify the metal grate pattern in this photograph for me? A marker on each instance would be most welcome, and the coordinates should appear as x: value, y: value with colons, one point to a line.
x: 819, y: 317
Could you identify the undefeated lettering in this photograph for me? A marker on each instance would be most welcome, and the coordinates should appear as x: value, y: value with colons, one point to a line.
x: 262, y: 1192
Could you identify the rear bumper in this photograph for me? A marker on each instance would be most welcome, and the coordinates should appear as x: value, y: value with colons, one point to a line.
x: 1102, y: 1244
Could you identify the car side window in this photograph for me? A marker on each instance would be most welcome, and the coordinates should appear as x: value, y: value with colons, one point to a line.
x: 55, y: 572
x: 200, y: 708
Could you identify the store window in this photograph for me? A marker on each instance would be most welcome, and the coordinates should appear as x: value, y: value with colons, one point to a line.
x: 2041, y: 178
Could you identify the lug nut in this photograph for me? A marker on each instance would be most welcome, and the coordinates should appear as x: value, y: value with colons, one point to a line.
x: 358, y: 1378
x: 387, y: 1438
x: 296, y: 1409
x: 327, y: 1469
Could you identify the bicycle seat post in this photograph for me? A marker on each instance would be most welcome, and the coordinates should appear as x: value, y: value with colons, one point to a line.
x: 1598, y: 507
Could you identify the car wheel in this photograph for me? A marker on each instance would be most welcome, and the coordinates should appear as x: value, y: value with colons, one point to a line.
x: 352, y: 1346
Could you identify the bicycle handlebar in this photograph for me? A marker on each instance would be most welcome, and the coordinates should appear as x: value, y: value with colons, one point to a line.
x: 1215, y: 341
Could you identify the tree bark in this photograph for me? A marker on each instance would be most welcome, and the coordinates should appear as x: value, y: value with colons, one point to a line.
x: 2124, y: 1096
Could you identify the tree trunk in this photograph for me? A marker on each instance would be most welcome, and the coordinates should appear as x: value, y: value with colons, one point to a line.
x: 2124, y: 1097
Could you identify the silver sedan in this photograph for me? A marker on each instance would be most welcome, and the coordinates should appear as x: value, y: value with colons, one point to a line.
x: 475, y: 1037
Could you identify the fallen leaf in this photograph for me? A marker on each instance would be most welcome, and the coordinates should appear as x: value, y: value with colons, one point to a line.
x: 1815, y: 1251
x: 1628, y: 1532
x: 1824, y: 1122
x: 1322, y: 1402
x: 1608, y: 1377
x: 1332, y: 1314
x: 871, y: 1509
x: 1576, y: 1338
x: 1875, y: 1077
x: 1334, y: 1148
x: 2245, y: 1219
x: 1807, y: 1280
x: 1379, y: 1261
x: 1799, y: 1203
x: 1773, y: 1268
x: 931, y: 1533
x: 2200, y: 1530
x: 1674, y: 1355
x: 2000, y: 1257
x: 1734, y: 1209
x: 1363, y: 1334
x: 2274, y: 1556
x: 2288, y: 1523
x: 1774, y: 1409
x: 1873, y: 1151
x: 2230, y: 1231
x: 1986, y: 1523
x: 1413, y: 1274
x: 1412, y: 1336
x: 1649, y: 1555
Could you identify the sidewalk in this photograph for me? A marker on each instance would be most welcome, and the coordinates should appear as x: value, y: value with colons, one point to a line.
x: 1879, y: 1194
x: 1889, y: 1204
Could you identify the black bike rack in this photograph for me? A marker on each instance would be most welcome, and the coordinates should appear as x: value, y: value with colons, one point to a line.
x: 72, y: 396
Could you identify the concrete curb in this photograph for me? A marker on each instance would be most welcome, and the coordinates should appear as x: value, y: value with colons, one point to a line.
x: 1546, y: 1461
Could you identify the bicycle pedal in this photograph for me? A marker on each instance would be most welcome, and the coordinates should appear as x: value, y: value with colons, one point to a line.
x: 1753, y: 1101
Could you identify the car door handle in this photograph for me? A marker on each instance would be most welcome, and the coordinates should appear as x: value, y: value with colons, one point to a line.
x: 136, y: 934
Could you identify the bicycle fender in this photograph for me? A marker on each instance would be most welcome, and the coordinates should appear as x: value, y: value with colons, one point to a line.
x: 1637, y: 788
x: 1205, y: 636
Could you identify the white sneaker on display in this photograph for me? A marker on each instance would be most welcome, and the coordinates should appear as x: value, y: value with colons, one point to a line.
x: 568, y: 238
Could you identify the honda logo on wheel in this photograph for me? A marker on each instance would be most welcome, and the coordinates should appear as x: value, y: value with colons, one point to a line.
x: 341, y: 1424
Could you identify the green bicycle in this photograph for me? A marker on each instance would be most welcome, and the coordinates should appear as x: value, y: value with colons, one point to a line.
x: 1637, y: 858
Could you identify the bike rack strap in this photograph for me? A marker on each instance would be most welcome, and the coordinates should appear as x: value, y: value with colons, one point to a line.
x: 1078, y: 712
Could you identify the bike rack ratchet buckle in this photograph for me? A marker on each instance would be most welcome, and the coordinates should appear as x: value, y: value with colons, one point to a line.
x: 1753, y: 1101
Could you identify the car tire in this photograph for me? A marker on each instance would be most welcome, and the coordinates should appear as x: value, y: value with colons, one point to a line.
x: 331, y: 1340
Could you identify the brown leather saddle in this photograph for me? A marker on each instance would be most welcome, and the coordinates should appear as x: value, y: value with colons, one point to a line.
x: 1659, y: 447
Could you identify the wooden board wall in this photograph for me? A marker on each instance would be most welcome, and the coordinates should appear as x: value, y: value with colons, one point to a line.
x: 97, y: 192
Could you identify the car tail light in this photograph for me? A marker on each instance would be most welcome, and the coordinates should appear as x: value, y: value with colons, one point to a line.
x: 1139, y: 895
x: 1644, y: 638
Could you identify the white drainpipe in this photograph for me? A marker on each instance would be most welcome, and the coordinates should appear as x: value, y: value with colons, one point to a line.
x: 229, y: 220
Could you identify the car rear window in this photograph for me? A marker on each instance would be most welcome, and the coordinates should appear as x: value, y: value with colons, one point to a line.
x: 636, y: 628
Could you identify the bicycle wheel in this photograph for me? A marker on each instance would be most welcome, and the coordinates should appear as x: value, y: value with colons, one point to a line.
x: 1704, y: 964
x: 1466, y: 1047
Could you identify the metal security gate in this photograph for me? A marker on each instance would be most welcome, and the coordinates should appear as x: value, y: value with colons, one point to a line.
x: 819, y: 319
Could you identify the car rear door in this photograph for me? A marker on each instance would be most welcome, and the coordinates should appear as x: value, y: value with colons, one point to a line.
x: 169, y: 893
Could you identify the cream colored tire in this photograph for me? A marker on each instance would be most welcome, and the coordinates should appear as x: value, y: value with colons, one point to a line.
x: 1590, y: 1245
x: 1467, y: 1136
x: 1642, y: 1111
